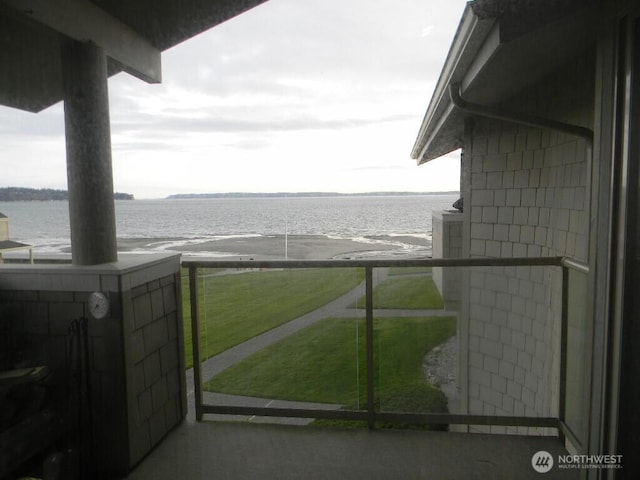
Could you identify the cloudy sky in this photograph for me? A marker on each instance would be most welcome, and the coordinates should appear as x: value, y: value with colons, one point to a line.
x: 292, y: 96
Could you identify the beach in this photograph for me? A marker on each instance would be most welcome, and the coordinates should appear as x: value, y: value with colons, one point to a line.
x: 234, y: 228
x: 277, y: 247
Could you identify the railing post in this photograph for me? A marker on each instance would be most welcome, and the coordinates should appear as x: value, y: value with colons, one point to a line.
x: 195, y: 340
x: 371, y: 417
x: 564, y: 328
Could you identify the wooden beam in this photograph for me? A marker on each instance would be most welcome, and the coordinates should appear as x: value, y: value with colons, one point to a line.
x: 83, y: 21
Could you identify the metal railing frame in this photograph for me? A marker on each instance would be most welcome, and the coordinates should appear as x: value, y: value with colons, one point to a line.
x: 370, y: 415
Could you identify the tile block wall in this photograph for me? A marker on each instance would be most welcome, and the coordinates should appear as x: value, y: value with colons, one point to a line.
x: 529, y: 202
x: 153, y: 357
x: 527, y: 198
x: 526, y: 195
x: 136, y: 353
x: 42, y: 319
x: 447, y: 243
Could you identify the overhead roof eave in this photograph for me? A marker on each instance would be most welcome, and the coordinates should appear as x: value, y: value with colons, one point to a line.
x: 468, y: 39
x: 492, y: 61
x: 132, y: 33
x: 6, y: 245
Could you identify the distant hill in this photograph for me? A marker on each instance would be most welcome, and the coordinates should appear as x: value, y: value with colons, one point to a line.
x: 20, y: 194
x: 299, y: 194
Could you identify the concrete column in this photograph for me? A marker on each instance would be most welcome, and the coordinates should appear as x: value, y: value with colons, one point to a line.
x: 88, y: 139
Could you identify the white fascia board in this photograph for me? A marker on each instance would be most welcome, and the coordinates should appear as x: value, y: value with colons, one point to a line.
x: 440, y: 121
x: 440, y: 94
x: 481, y: 59
x: 84, y: 21
x: 469, y: 39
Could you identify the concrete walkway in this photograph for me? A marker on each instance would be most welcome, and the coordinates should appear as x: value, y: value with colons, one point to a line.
x: 338, y: 308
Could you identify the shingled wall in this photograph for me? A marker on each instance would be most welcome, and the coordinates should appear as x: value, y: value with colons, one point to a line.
x: 527, y: 196
x: 136, y: 354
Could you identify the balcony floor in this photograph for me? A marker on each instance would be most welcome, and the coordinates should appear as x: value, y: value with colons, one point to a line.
x: 226, y: 450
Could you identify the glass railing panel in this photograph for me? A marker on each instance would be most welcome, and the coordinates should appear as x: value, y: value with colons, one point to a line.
x: 514, y: 331
x: 480, y: 342
x: 414, y: 336
x: 283, y: 338
x: 576, y: 398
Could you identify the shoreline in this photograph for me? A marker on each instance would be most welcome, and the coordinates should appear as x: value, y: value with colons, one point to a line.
x: 278, y: 247
x: 265, y: 247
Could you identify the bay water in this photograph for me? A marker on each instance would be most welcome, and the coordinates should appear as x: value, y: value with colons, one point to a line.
x: 164, y: 224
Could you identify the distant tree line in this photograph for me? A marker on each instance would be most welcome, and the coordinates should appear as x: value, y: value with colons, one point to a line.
x: 181, y: 196
x: 19, y: 194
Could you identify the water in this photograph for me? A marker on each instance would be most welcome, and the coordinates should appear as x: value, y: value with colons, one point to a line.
x: 169, y: 224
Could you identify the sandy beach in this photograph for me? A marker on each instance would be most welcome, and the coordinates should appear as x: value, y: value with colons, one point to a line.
x: 298, y: 247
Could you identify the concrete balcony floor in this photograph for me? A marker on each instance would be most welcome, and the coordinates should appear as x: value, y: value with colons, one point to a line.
x: 227, y: 450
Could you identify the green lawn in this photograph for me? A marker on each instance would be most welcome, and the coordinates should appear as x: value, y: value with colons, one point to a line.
x: 409, y: 270
x: 326, y: 363
x: 413, y: 293
x: 239, y: 306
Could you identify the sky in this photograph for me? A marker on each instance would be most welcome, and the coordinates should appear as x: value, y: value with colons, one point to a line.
x: 291, y: 96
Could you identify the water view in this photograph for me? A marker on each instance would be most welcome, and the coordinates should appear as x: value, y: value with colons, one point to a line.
x: 297, y: 227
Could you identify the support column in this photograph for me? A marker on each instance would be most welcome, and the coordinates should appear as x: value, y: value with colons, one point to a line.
x: 88, y: 141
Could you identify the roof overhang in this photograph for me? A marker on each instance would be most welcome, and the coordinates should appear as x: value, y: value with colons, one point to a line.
x: 10, y: 246
x: 132, y: 33
x: 500, y: 48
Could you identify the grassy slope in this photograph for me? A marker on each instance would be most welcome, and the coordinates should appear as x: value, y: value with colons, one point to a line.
x: 325, y: 363
x: 246, y: 304
x: 410, y: 292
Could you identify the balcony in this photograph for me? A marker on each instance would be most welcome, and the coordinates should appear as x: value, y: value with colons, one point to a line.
x: 259, y: 441
x: 372, y: 425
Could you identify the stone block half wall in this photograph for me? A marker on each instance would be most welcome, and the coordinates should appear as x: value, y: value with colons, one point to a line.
x: 136, y: 353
